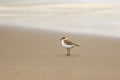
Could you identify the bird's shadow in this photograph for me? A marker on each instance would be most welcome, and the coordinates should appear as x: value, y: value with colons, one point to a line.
x: 72, y: 55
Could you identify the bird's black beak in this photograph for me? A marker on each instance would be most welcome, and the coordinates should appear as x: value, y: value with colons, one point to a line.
x: 61, y: 39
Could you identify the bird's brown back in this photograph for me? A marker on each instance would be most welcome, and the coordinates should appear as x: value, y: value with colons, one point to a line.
x: 70, y: 43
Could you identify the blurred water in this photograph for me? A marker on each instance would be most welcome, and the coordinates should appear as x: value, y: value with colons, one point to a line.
x: 100, y: 19
x: 24, y: 2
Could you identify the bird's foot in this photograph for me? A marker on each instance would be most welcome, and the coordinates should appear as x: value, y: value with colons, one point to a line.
x: 67, y: 54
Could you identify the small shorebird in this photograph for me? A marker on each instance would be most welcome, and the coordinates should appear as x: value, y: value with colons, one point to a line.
x: 67, y: 44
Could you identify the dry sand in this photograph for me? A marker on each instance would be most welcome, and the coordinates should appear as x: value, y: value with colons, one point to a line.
x: 38, y: 55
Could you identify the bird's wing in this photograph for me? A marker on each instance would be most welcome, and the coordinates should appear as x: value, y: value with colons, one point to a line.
x: 70, y: 43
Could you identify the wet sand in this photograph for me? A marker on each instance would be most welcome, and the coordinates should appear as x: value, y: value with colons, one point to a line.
x: 38, y: 55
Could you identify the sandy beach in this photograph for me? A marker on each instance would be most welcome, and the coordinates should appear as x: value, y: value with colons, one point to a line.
x: 38, y: 55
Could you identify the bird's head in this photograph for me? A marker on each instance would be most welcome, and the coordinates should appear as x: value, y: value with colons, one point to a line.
x: 65, y: 37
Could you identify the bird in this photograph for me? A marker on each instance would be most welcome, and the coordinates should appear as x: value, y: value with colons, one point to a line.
x: 66, y: 43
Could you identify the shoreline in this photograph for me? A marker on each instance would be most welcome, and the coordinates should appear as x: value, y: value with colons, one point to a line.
x: 99, y: 35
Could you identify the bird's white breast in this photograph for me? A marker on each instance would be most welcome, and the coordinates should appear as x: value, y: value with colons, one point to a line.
x: 65, y: 45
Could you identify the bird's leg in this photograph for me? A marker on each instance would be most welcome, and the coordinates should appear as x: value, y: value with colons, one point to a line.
x: 68, y: 51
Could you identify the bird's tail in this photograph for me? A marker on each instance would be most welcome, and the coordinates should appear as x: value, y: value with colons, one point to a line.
x: 76, y: 44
